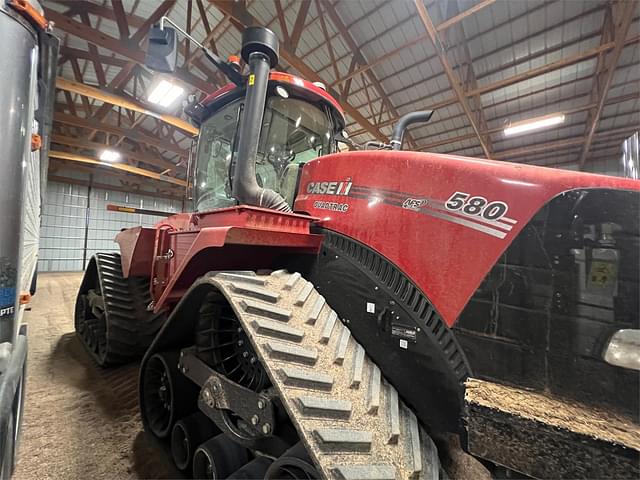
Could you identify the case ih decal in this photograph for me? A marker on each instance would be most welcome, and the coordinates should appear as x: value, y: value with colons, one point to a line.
x: 329, y: 188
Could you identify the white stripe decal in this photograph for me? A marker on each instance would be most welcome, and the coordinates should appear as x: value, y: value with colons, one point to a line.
x: 464, y: 223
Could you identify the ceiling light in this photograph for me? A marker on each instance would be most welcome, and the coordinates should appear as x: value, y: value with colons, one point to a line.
x: 109, y: 156
x: 534, y: 124
x: 165, y: 93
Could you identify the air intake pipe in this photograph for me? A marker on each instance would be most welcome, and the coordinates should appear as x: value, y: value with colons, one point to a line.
x: 404, y: 122
x: 260, y: 52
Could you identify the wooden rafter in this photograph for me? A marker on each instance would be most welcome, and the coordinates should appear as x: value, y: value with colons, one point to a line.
x: 603, y: 76
x: 282, y: 21
x: 520, y: 77
x: 240, y: 17
x: 113, y: 44
x: 299, y: 23
x: 454, y: 80
x: 121, y: 19
x: 137, y: 135
x: 73, y: 157
x: 455, y: 36
x: 487, y: 54
x: 172, y: 194
x: 110, y: 98
x: 155, y: 17
x: 135, y: 157
x: 420, y: 38
x: 351, y: 43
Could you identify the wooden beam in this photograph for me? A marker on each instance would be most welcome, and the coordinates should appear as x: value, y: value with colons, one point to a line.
x: 121, y: 19
x: 103, y: 40
x: 298, y: 25
x: 107, y: 97
x: 457, y: 40
x: 455, y: 82
x: 342, y: 29
x: 155, y: 17
x: 462, y: 15
x: 106, y: 186
x: 581, y: 108
x: 443, y: 26
x: 282, y: 21
x: 117, y: 83
x: 242, y: 18
x: 77, y: 73
x: 79, y: 54
x: 534, y: 72
x: 73, y: 157
x: 76, y: 142
x: 601, y: 86
x: 134, y: 135
x: 550, y: 146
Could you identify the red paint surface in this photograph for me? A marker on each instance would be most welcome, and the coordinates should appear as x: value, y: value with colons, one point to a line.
x: 136, y: 248
x: 446, y: 260
x: 187, y: 245
x: 281, y: 77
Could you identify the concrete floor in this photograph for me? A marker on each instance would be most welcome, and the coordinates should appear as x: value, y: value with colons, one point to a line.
x: 81, y: 421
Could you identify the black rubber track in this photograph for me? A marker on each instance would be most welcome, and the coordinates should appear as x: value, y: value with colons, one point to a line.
x: 126, y: 328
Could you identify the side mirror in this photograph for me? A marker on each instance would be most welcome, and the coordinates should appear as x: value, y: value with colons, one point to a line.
x: 162, y: 52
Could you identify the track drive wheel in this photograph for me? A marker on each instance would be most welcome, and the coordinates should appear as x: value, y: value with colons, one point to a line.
x: 167, y: 395
x: 111, y: 317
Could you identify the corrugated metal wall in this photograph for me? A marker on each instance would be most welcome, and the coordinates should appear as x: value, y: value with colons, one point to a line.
x: 65, y: 218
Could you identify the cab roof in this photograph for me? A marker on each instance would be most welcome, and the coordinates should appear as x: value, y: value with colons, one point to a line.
x: 303, y: 86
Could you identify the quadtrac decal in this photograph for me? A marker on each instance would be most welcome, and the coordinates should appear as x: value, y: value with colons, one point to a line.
x: 470, y: 211
x: 337, y: 188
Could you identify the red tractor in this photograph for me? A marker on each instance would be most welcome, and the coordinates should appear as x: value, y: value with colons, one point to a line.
x: 353, y: 315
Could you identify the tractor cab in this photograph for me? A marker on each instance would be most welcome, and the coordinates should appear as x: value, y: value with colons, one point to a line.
x: 300, y: 123
x: 256, y: 132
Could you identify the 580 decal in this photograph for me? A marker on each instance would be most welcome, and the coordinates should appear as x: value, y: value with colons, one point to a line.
x: 476, y: 205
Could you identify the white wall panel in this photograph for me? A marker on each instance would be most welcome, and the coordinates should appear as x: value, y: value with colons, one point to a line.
x: 65, y: 216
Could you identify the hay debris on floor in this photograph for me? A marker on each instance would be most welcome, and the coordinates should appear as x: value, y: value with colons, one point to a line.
x: 80, y: 421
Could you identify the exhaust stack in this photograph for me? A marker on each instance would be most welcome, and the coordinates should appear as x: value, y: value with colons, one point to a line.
x: 260, y: 52
x: 404, y: 122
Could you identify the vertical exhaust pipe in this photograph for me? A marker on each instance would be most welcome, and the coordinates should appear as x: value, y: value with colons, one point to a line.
x: 404, y: 122
x: 260, y: 52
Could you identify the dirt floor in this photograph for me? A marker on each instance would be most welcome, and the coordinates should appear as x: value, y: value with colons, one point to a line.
x: 81, y: 421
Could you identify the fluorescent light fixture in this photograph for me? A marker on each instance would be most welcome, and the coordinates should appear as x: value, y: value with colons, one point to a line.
x: 109, y: 156
x: 534, y: 124
x: 165, y: 93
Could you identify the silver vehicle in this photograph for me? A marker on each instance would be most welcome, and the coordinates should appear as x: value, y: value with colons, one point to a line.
x: 27, y: 76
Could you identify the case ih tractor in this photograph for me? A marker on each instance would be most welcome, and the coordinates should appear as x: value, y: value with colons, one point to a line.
x: 371, y: 314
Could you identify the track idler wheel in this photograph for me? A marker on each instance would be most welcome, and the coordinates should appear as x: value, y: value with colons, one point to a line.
x: 166, y: 394
x: 218, y: 458
x: 254, y: 470
x: 294, y: 464
x: 187, y: 434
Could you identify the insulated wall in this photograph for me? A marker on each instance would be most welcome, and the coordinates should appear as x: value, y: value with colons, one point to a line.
x: 76, y: 223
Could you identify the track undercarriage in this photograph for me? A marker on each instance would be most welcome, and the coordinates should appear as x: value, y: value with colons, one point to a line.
x: 273, y: 385
x: 111, y: 316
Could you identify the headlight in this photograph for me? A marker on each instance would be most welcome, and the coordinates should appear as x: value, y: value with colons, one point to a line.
x: 623, y: 349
